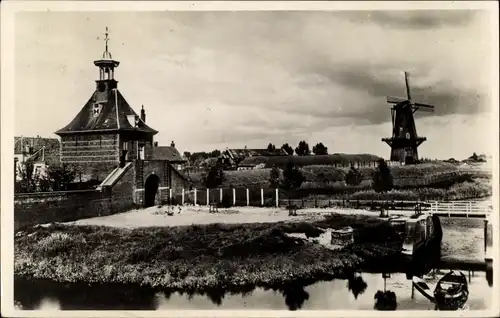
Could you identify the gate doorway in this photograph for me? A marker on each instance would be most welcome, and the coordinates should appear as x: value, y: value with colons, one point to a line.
x: 150, y: 190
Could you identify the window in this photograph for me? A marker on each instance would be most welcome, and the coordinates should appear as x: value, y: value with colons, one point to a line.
x: 141, y: 152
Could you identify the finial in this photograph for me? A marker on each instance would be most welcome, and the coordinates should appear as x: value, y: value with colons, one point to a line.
x: 106, y: 54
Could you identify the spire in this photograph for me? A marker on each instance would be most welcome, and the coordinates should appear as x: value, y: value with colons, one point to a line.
x: 106, y: 65
x: 106, y: 54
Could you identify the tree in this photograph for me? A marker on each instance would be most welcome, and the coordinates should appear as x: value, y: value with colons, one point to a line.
x: 29, y: 179
x: 271, y: 148
x: 320, y: 149
x: 215, y: 154
x: 292, y: 177
x: 303, y: 149
x: 353, y: 177
x: 215, y: 177
x: 59, y: 177
x: 288, y: 149
x: 274, y: 178
x: 187, y: 155
x: 292, y: 180
x: 382, y: 178
x: 197, y: 157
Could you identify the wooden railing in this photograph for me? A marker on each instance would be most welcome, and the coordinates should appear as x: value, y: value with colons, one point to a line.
x: 461, y: 208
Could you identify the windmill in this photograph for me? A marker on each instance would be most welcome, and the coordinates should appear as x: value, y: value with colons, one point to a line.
x: 404, y: 140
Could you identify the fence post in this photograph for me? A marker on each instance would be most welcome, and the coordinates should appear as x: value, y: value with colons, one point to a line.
x: 208, y: 197
x: 248, y: 197
x: 234, y: 196
x: 194, y: 197
x: 277, y: 198
x: 183, y: 196
x: 261, y: 196
x: 220, y: 194
x: 170, y: 195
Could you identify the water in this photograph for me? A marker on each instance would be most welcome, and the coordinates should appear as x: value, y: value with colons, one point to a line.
x: 338, y: 294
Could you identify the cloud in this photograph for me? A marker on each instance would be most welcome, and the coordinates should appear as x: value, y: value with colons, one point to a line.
x: 413, y: 19
x: 215, y: 78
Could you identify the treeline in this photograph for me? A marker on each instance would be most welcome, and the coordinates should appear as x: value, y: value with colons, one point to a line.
x: 302, y: 149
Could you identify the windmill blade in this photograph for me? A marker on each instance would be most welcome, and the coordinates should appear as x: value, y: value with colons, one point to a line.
x: 407, y: 81
x: 426, y: 106
x: 395, y: 100
x: 429, y: 110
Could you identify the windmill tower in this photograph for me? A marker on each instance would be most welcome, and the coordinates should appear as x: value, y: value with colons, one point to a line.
x: 404, y: 140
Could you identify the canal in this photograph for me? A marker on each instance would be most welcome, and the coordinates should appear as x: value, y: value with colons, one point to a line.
x: 462, y: 239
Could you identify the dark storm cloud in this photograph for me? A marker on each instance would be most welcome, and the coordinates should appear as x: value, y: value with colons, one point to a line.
x: 373, y: 81
x: 413, y: 19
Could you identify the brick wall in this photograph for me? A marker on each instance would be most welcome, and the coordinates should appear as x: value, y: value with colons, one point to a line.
x: 122, y: 192
x: 94, y: 156
x: 60, y: 206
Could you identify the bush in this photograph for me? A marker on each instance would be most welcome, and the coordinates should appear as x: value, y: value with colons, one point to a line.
x: 227, y: 201
x: 353, y: 177
x: 382, y: 178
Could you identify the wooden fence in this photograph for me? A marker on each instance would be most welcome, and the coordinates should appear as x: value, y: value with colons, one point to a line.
x: 271, y: 197
x: 461, y: 208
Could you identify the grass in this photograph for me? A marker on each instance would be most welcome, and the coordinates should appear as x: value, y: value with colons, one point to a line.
x: 428, y: 181
x: 333, y: 159
x: 198, y: 256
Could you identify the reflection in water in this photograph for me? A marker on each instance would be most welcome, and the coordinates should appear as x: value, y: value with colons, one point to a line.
x: 295, y: 296
x: 385, y: 300
x: 355, y: 293
x: 356, y: 285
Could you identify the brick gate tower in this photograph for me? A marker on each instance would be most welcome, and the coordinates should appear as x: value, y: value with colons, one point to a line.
x: 106, y: 132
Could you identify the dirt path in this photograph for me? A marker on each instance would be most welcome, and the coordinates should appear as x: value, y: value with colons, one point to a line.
x: 200, y: 215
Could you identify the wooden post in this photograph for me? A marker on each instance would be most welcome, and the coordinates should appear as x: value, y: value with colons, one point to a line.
x: 183, y: 196
x: 208, y: 197
x: 261, y: 196
x: 220, y: 195
x: 248, y: 197
x: 234, y: 196
x: 277, y: 198
x: 194, y: 197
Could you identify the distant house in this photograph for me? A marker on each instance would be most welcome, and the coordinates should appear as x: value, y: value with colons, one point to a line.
x: 170, y: 154
x: 233, y: 158
x: 42, y: 152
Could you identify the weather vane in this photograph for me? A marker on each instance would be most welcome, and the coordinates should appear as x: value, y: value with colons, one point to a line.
x: 106, y: 39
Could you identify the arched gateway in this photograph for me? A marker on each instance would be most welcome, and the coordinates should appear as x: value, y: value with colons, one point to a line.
x: 150, y: 189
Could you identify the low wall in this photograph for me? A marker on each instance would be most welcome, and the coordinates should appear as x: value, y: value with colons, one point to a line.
x: 62, y: 206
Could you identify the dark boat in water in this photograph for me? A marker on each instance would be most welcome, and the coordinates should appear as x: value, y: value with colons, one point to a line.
x: 452, y: 291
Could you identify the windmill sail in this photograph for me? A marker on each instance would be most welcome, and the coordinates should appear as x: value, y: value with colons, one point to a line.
x: 407, y: 81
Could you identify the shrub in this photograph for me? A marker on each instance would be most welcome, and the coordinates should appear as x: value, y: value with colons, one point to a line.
x: 353, y: 177
x: 56, y: 243
x: 382, y: 178
x: 227, y: 201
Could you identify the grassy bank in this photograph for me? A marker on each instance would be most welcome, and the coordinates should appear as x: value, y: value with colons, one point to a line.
x: 469, y: 190
x: 199, y: 256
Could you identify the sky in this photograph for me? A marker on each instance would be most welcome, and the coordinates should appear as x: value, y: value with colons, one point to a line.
x: 211, y: 80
